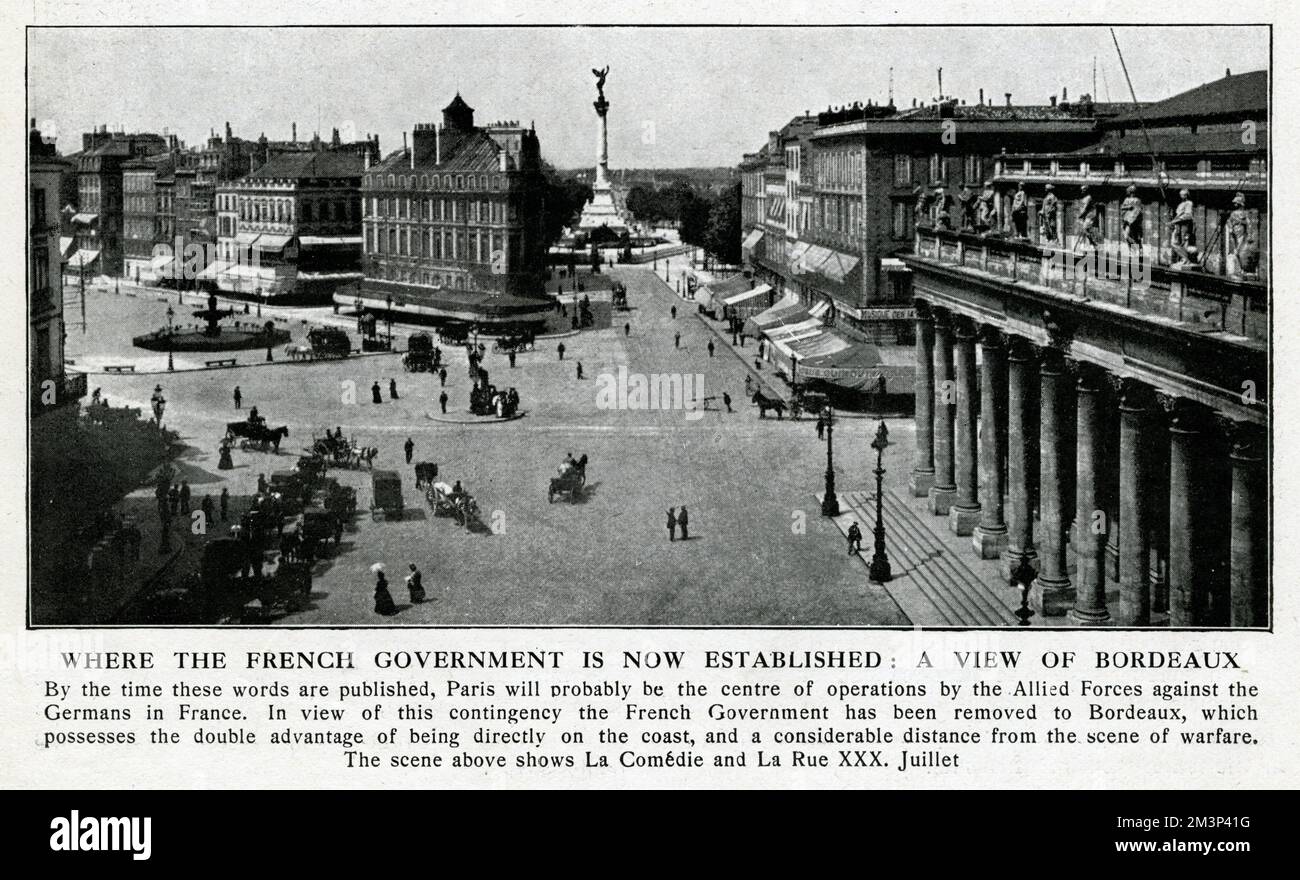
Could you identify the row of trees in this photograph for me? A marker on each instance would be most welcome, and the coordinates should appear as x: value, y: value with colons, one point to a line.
x: 706, y: 220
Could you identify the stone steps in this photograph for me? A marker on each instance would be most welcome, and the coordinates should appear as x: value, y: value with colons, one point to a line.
x: 931, y: 584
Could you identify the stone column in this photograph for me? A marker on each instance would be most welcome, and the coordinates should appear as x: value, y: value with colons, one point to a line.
x: 923, y: 470
x: 945, y: 486
x: 990, y: 536
x: 1089, y: 519
x: 1052, y: 594
x: 602, y: 145
x: 1021, y: 446
x: 1136, y: 490
x: 1189, y: 592
x: 965, y: 511
x: 1248, y: 557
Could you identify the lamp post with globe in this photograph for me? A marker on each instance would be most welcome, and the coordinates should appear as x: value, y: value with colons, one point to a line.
x: 170, y: 315
x: 830, y: 502
x: 879, y: 571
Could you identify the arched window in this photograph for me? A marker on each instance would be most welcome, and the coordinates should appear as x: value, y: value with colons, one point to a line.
x: 460, y: 181
x: 392, y: 180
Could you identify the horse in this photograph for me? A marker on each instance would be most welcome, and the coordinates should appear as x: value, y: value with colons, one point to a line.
x: 364, y: 455
x: 426, y: 472
x: 298, y: 352
x: 765, y: 403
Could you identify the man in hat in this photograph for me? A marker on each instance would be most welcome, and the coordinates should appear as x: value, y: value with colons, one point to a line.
x: 1182, y: 236
x: 1047, y: 214
x: 1020, y: 212
x: 855, y: 537
x: 409, y: 446
x: 1240, y: 255
x: 1130, y: 214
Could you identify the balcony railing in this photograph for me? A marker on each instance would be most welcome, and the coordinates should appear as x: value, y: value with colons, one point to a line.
x: 1111, y: 273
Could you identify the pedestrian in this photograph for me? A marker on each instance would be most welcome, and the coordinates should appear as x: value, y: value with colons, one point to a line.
x: 239, y: 398
x: 726, y: 399
x: 511, y: 356
x: 672, y: 525
x: 821, y: 427
x: 261, y: 484
x: 442, y: 376
x: 375, y: 393
x: 560, y: 348
x: 677, y: 340
x: 225, y: 503
x: 674, y: 312
x: 206, y: 506
x: 415, y: 585
x: 409, y: 446
x: 579, y: 369
x: 683, y: 520
x: 174, y: 498
x: 710, y: 348
x: 392, y: 389
x: 185, y: 496
x: 442, y: 401
x: 855, y: 538
x: 384, y: 603
x: 627, y: 329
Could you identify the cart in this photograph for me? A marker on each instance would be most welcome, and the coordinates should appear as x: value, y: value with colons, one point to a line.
x: 386, y: 497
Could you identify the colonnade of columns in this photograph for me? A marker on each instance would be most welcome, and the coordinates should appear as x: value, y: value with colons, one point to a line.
x: 1020, y: 454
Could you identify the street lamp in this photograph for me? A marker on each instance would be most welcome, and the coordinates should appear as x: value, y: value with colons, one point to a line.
x: 259, y: 300
x: 390, y: 322
x: 830, y: 503
x: 170, y: 364
x: 1023, y: 577
x: 879, y: 572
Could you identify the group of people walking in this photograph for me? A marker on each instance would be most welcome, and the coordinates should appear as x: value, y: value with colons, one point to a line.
x: 384, y: 603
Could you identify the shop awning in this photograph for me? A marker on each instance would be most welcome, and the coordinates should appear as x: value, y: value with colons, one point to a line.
x: 330, y: 276
x: 246, y: 239
x: 746, y: 295
x: 711, y: 295
x: 820, y: 309
x: 326, y: 240
x: 751, y: 241
x: 67, y: 246
x: 893, y: 264
x: 838, y: 266
x: 84, y: 219
x: 212, y: 270
x: 82, y: 259
x: 268, y: 242
x: 813, y: 258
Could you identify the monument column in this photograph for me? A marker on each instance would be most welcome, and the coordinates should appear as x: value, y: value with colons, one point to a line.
x: 965, y: 512
x: 944, y: 488
x: 923, y: 470
x: 602, y: 144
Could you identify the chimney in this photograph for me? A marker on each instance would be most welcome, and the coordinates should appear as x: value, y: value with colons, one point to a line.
x: 437, y: 143
x: 228, y: 135
x: 1227, y: 71
x: 1052, y: 100
x: 1008, y: 94
x: 295, y: 132
x: 914, y: 102
x: 1065, y: 94
x: 981, y: 96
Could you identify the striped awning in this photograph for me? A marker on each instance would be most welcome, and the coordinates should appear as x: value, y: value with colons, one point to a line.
x: 82, y: 259
x: 736, y: 298
x: 84, y: 219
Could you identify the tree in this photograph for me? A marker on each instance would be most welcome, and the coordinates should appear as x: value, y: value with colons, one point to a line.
x: 563, y: 198
x: 724, y: 225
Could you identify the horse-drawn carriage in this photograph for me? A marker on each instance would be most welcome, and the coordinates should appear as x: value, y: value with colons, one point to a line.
x: 454, y: 332
x: 256, y: 435
x: 426, y: 472
x: 230, y: 578
x: 812, y: 402
x: 386, y: 495
x: 618, y: 297
x: 421, y: 356
x: 444, y: 500
x: 487, y: 400
x: 764, y: 403
x: 569, y: 484
x: 515, y: 342
x: 339, y: 451
x: 329, y: 342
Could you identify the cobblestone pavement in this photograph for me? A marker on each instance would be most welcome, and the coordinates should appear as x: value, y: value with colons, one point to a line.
x: 759, y: 553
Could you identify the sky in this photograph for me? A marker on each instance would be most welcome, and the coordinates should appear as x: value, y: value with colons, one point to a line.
x: 679, y: 96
